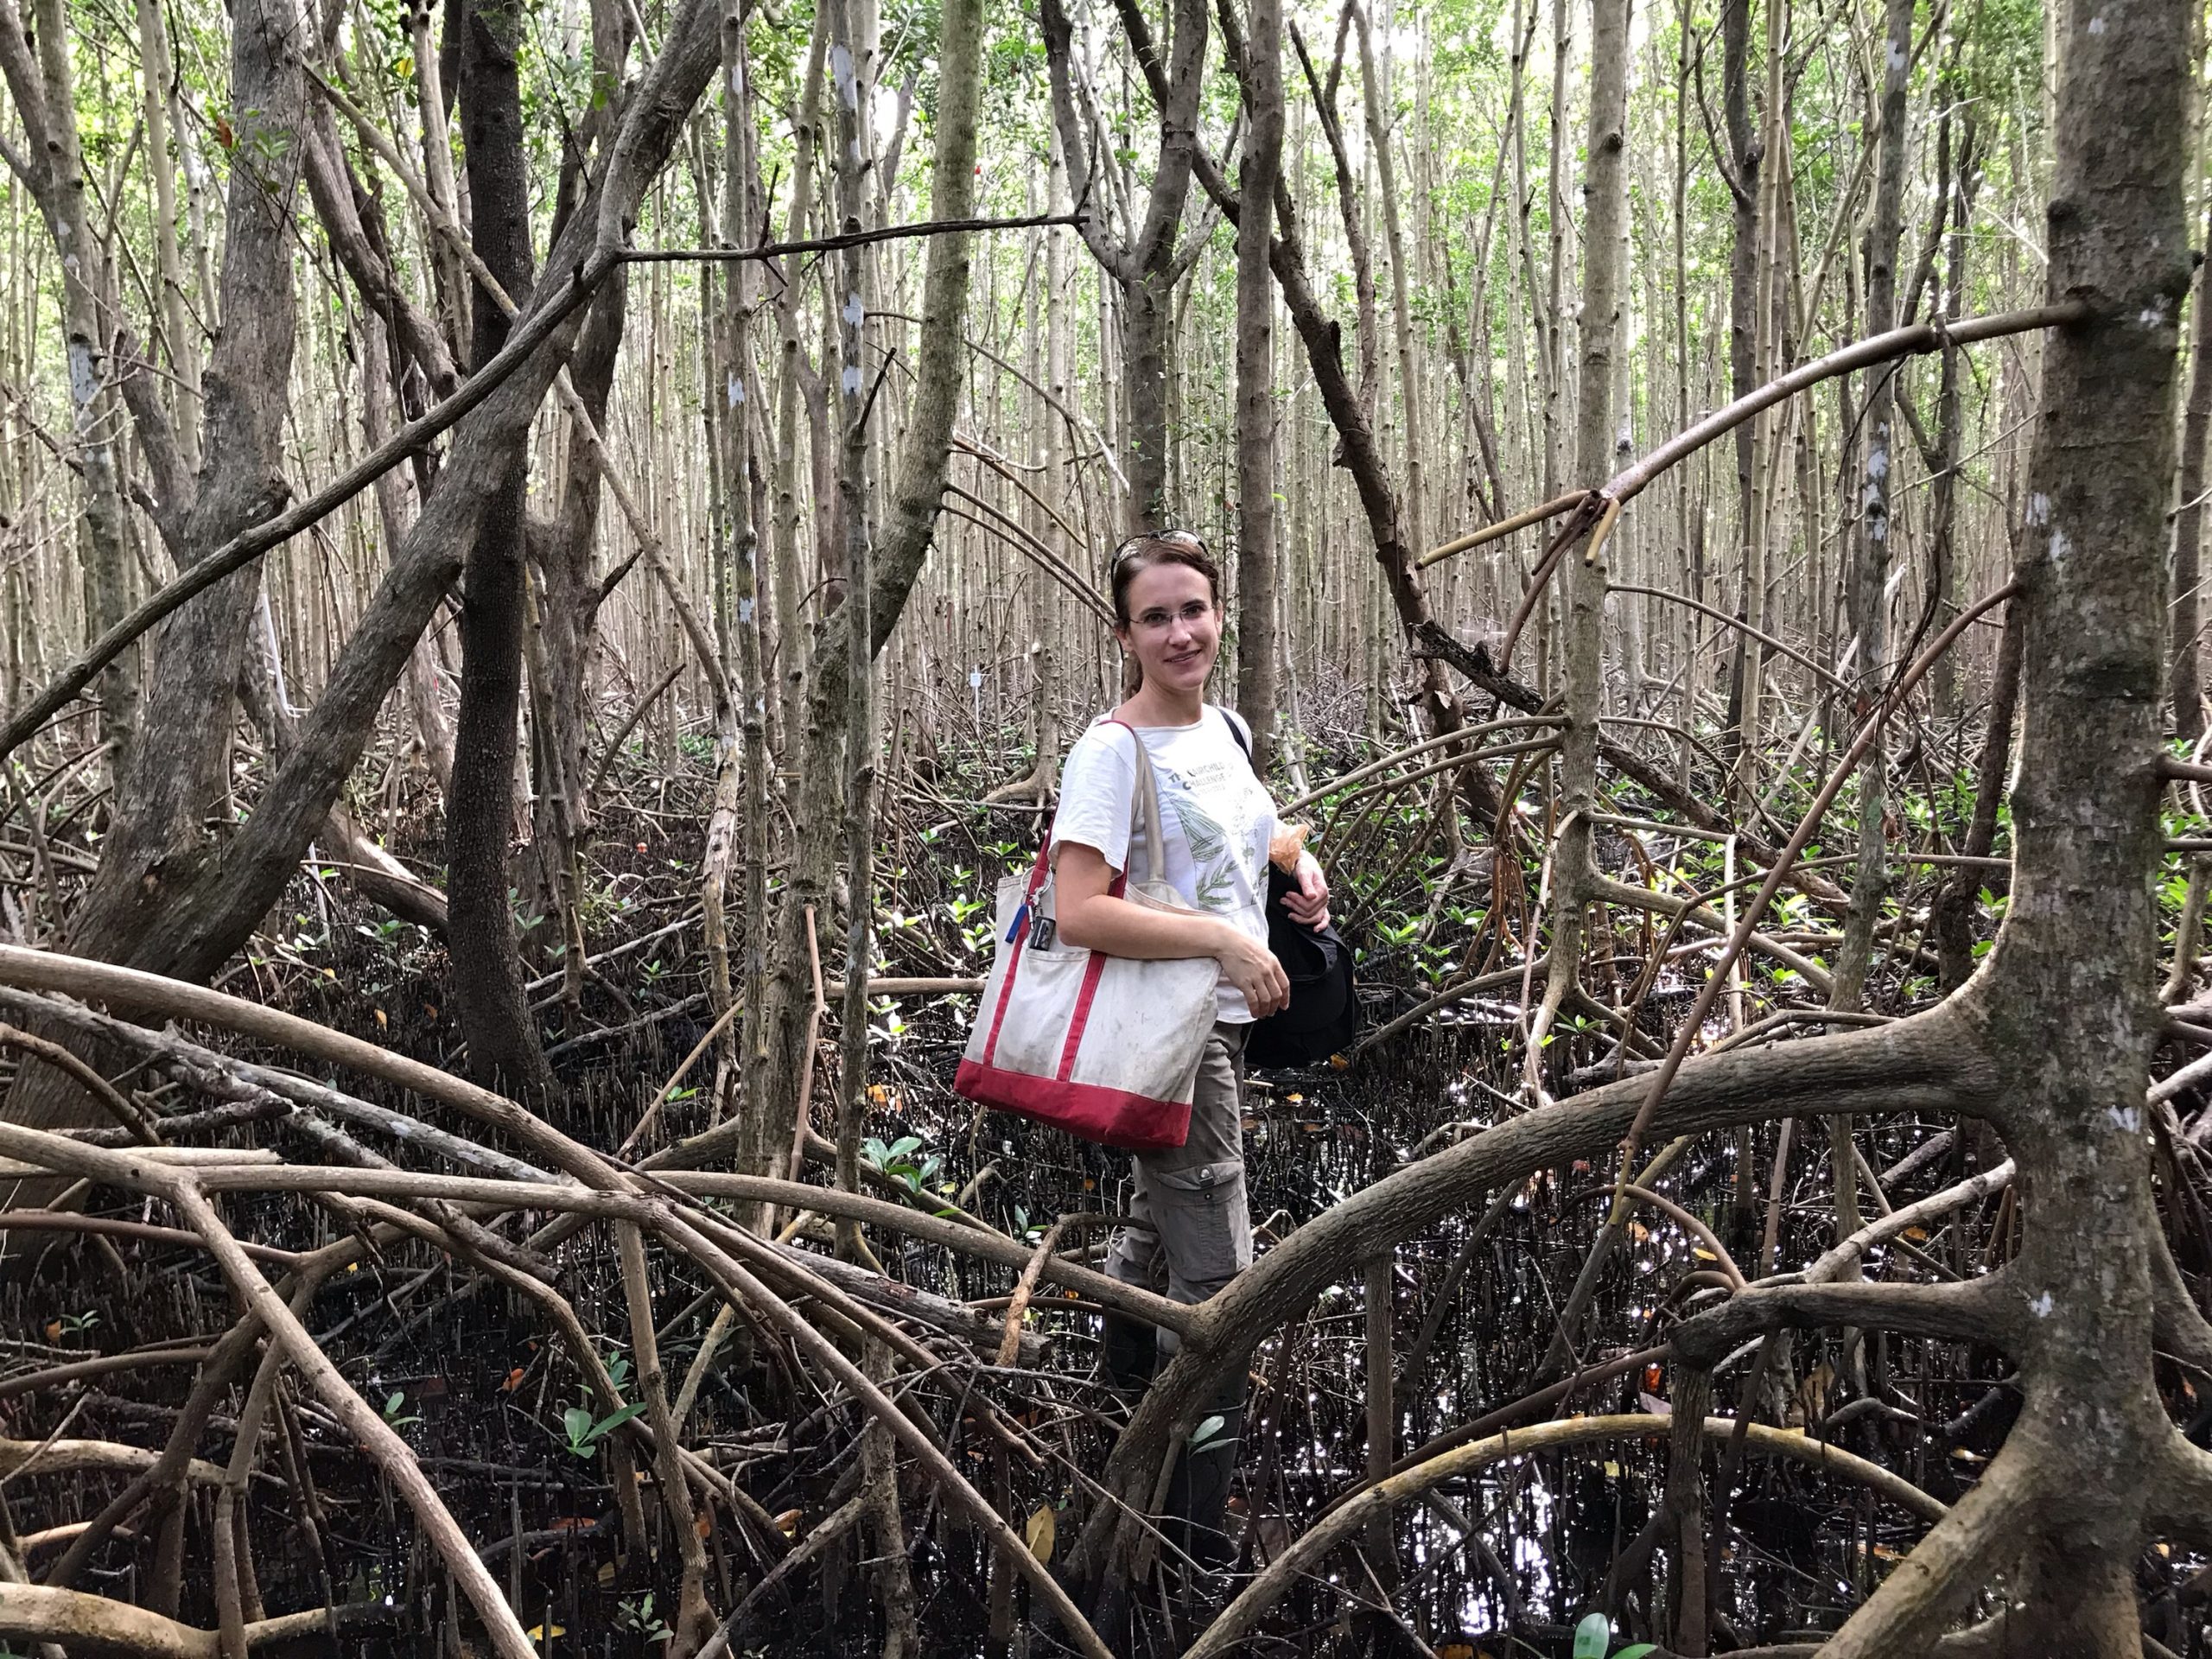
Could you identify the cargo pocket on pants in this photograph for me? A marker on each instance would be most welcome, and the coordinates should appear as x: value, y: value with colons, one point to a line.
x: 1205, y: 1226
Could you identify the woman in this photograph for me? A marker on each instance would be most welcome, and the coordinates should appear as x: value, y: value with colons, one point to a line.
x: 1216, y: 824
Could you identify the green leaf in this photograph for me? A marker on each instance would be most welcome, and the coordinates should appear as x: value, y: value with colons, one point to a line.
x: 577, y: 1422
x: 1208, y: 1436
x: 608, y: 1425
x: 1636, y: 1650
x: 1591, y: 1637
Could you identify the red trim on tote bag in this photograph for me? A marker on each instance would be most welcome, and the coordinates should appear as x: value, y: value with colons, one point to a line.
x: 1114, y: 1117
x: 1092, y: 972
x: 1021, y: 939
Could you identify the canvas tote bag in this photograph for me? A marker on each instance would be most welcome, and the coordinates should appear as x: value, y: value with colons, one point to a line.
x: 1105, y: 1047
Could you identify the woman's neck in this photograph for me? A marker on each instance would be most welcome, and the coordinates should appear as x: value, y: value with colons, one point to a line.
x: 1156, y: 705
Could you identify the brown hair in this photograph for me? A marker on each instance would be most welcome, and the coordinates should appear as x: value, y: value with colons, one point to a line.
x: 1159, y: 547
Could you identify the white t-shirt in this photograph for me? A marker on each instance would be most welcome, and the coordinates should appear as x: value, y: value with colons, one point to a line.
x: 1216, y: 818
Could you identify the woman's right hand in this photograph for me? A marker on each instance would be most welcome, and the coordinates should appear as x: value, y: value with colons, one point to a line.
x: 1247, y: 963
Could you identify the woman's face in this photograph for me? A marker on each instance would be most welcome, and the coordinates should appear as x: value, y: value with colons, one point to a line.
x: 1175, y: 626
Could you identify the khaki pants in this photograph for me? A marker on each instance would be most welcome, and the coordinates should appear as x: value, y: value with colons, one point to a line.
x: 1199, y: 1236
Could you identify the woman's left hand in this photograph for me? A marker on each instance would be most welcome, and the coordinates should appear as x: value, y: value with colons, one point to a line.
x: 1308, y: 903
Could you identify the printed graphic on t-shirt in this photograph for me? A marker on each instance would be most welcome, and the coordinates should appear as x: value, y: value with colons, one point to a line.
x: 1213, y: 857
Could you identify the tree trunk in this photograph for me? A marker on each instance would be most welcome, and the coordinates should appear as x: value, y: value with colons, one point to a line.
x: 2184, y: 681
x: 564, y: 556
x: 1951, y: 916
x: 1583, y: 570
x: 1943, y: 584
x: 1743, y: 320
x: 487, y: 978
x: 180, y: 335
x: 179, y: 774
x: 1259, y: 650
x: 84, y: 285
x: 1146, y: 267
x: 1866, y: 586
x: 794, y: 375
x: 1409, y: 388
x: 563, y: 553
x: 2068, y: 1004
x: 853, y: 71
x: 907, y: 529
x: 1555, y: 274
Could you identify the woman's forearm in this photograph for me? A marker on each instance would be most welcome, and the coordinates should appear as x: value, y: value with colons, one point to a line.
x: 1121, y: 928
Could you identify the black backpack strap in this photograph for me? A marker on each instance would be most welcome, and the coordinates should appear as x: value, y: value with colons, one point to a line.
x: 1237, y: 732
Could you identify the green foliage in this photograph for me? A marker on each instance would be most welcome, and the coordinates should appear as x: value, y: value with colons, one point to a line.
x: 1595, y: 1634
x: 896, y: 1158
x: 637, y: 1616
x: 585, y: 1431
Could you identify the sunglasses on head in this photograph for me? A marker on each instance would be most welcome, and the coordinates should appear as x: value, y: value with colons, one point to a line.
x: 1137, y: 544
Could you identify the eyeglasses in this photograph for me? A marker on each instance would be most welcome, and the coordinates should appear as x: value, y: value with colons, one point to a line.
x: 1137, y: 544
x: 1160, y: 618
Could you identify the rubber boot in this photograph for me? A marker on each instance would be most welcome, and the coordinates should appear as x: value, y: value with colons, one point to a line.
x: 1197, y: 1493
x: 1128, y: 1354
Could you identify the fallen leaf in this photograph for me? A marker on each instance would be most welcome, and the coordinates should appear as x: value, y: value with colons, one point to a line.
x: 787, y: 1523
x: 53, y: 1330
x: 514, y: 1380
x: 545, y: 1632
x: 1040, y: 1532
x: 382, y: 1023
